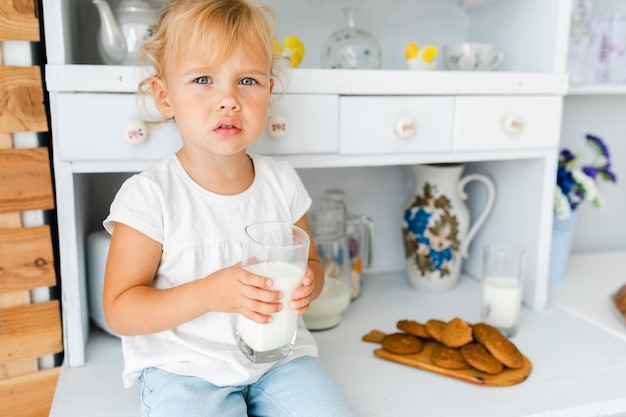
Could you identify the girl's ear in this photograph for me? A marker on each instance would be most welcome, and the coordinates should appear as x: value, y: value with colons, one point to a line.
x: 159, y: 93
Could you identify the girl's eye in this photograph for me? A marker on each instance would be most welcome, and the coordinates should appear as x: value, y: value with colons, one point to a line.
x: 202, y: 80
x: 247, y: 81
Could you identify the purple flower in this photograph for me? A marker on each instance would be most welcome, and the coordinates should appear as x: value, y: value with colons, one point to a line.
x: 579, y: 182
x: 598, y: 146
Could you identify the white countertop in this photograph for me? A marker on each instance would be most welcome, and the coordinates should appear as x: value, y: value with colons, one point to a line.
x: 579, y: 369
x: 590, y: 281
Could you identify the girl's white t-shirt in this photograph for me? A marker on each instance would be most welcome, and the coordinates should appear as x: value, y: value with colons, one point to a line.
x: 201, y: 232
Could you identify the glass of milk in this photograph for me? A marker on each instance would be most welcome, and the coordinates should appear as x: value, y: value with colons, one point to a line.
x: 280, y: 251
x: 503, y: 266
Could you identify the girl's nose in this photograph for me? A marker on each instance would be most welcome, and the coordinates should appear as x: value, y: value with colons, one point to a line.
x: 228, y: 102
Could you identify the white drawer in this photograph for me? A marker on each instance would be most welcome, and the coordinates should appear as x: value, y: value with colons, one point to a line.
x: 90, y: 127
x: 395, y: 125
x: 301, y: 124
x: 501, y: 123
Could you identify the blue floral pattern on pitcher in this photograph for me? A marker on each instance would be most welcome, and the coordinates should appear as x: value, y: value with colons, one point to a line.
x: 431, y: 232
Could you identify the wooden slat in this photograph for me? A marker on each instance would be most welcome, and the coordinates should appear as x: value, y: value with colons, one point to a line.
x: 6, y: 141
x: 18, y: 368
x: 25, y: 178
x: 29, y: 395
x: 23, y: 391
x: 22, y: 106
x: 13, y: 299
x: 26, y: 259
x: 30, y: 331
x: 19, y: 20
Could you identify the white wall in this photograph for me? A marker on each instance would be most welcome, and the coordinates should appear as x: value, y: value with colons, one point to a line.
x: 604, y: 116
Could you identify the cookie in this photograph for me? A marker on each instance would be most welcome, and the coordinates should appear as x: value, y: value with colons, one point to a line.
x: 498, y: 345
x: 402, y: 344
x: 375, y: 336
x: 478, y: 357
x: 456, y: 333
x: 619, y: 298
x: 414, y: 328
x: 448, y: 358
x: 434, y: 328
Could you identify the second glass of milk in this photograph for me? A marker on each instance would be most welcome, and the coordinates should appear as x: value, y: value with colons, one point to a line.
x: 501, y: 285
x: 280, y: 251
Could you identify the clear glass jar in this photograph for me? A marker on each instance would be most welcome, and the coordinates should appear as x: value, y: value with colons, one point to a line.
x: 351, y: 47
x: 327, y: 219
x: 360, y: 234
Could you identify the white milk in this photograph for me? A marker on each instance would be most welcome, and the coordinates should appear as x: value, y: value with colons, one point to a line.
x: 325, y: 311
x: 502, y: 299
x: 278, y: 333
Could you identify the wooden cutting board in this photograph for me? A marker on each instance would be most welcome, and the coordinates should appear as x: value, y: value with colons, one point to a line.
x: 422, y: 361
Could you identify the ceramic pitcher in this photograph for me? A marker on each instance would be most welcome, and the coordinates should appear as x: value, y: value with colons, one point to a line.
x: 436, y: 225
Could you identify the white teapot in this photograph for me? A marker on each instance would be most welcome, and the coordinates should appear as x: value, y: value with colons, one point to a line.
x: 121, y: 35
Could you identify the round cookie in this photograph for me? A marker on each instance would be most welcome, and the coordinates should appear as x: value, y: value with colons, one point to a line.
x: 498, y: 345
x: 477, y: 356
x: 435, y: 328
x: 448, y: 358
x: 456, y: 333
x: 402, y: 344
x: 414, y: 328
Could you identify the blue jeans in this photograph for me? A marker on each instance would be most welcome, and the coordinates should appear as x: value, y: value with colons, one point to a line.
x: 301, y: 387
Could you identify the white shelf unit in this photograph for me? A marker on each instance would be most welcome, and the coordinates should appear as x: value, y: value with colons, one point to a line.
x: 90, y: 103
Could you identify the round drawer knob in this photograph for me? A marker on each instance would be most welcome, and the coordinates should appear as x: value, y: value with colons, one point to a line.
x: 512, y: 124
x: 404, y: 127
x: 277, y: 126
x: 135, y: 132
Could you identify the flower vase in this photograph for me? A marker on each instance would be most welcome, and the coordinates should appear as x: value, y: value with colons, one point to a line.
x: 436, y: 225
x: 562, y: 237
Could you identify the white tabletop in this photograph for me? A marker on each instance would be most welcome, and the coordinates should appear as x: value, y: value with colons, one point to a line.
x: 590, y: 281
x: 579, y: 369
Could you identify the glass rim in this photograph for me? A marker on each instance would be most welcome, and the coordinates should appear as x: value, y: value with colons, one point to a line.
x: 299, y: 234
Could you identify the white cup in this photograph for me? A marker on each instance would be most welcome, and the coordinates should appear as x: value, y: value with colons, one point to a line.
x: 502, y: 284
x: 280, y: 251
x: 472, y: 57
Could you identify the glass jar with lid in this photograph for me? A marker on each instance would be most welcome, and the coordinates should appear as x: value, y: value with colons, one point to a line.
x: 351, y: 47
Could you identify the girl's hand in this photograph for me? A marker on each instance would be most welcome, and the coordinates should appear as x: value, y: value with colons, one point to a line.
x: 235, y: 290
x: 303, y: 295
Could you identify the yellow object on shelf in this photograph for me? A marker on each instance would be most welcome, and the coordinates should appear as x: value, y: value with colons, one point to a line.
x: 420, y: 58
x: 292, y: 48
x: 411, y: 50
x: 429, y: 53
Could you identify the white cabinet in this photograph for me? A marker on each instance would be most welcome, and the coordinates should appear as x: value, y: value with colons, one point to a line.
x: 392, y: 125
x: 99, y: 127
x: 301, y: 124
x: 506, y: 123
x: 340, y: 128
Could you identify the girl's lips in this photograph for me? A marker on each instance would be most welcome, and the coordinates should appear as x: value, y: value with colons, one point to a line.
x: 228, y: 127
x: 228, y: 124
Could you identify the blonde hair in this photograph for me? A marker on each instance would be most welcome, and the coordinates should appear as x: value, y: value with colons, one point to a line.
x: 227, y: 24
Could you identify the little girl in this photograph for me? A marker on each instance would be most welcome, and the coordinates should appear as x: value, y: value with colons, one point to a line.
x: 173, y: 284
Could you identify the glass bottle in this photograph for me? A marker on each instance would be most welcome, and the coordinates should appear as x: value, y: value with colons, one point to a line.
x: 360, y: 234
x: 327, y: 219
x: 351, y: 47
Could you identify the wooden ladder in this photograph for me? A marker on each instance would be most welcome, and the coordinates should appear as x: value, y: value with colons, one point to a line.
x: 28, y: 330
